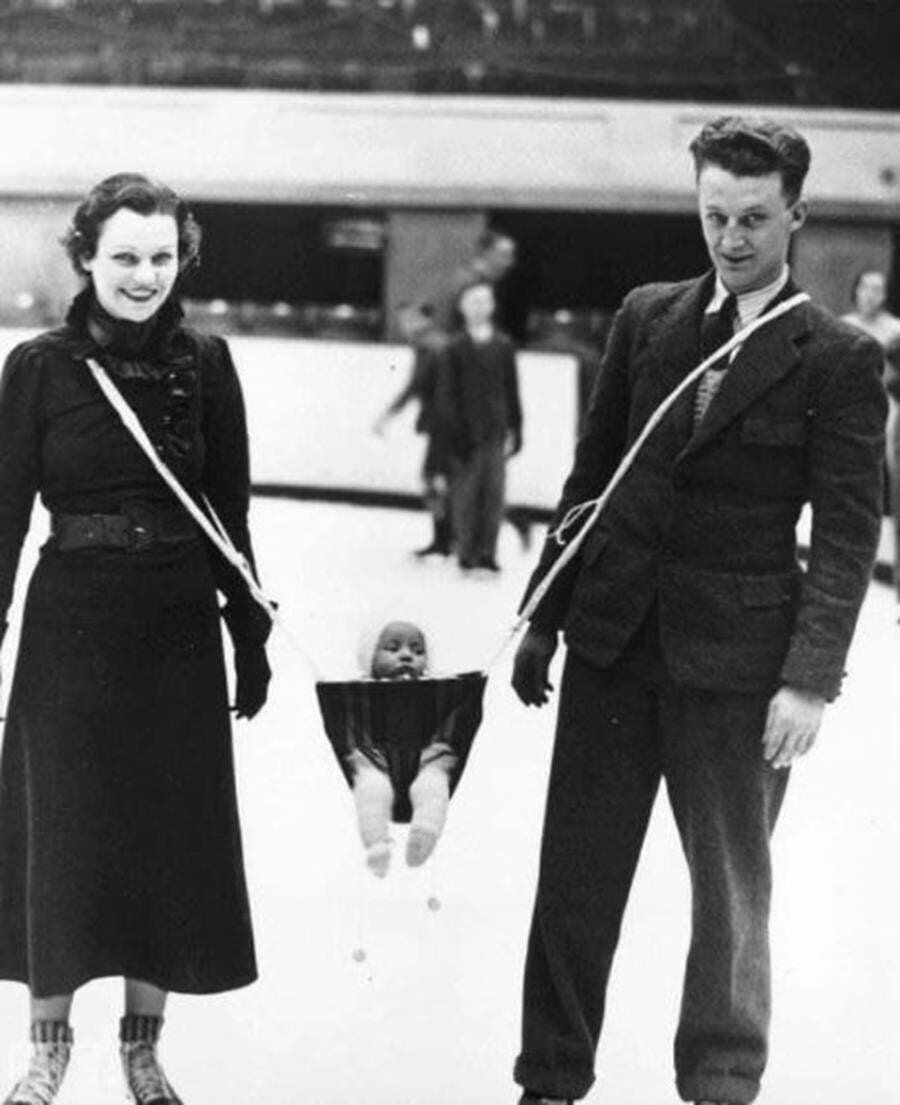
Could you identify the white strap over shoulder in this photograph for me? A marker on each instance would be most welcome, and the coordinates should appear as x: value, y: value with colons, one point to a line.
x: 214, y: 529
x: 592, y: 508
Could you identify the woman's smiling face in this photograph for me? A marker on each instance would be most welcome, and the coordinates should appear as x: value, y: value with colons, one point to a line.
x: 136, y: 263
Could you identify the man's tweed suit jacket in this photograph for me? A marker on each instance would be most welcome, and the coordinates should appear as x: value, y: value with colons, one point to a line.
x: 705, y: 522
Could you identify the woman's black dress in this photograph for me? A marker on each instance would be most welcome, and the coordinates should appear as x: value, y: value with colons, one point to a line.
x: 120, y: 850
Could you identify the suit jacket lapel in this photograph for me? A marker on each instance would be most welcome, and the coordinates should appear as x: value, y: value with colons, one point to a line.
x: 673, y: 338
x: 767, y: 356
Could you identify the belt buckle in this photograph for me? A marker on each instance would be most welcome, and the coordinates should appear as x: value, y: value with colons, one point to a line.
x: 141, y: 531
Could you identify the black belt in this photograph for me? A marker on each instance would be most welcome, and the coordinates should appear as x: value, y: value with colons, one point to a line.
x: 138, y: 526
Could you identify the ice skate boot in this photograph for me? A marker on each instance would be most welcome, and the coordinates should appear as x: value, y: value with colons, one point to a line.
x: 145, y: 1080
x: 52, y: 1042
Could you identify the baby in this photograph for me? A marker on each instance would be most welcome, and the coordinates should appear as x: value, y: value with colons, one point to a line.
x: 400, y: 652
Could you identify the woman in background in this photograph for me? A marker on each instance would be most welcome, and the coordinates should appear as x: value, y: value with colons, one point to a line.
x: 870, y: 314
x: 120, y: 848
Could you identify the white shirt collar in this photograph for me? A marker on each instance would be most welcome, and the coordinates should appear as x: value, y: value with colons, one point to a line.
x: 750, y: 304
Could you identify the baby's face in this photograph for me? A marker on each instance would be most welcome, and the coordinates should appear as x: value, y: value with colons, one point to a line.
x: 400, y: 652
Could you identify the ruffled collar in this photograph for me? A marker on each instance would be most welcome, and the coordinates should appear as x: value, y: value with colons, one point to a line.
x: 157, y: 351
x: 130, y: 350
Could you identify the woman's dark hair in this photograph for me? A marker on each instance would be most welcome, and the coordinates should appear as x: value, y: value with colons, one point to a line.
x: 137, y: 193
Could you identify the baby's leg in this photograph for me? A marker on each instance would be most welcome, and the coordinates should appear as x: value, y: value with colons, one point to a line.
x: 374, y: 798
x: 430, y: 796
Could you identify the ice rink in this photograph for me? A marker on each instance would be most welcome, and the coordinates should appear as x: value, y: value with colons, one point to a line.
x: 431, y: 1016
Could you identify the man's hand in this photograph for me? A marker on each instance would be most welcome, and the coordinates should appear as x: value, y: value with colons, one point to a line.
x: 513, y: 443
x: 792, y: 725
x: 531, y: 665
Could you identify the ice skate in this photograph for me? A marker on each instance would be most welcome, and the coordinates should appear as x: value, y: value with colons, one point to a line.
x: 52, y: 1048
x: 145, y: 1080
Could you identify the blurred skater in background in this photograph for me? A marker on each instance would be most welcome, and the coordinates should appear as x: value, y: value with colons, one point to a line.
x: 870, y: 314
x: 416, y: 324
x: 481, y: 415
x: 492, y: 262
x: 120, y: 846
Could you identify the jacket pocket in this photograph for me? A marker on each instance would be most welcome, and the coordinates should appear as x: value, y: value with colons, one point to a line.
x: 767, y: 431
x: 775, y: 589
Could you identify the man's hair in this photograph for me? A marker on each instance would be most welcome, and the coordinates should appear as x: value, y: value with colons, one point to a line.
x: 754, y: 147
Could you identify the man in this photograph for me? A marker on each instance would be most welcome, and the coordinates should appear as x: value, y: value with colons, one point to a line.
x: 697, y: 648
x: 480, y: 415
x: 492, y: 263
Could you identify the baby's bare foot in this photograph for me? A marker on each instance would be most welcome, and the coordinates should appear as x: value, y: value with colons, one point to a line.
x: 378, y: 858
x: 419, y: 846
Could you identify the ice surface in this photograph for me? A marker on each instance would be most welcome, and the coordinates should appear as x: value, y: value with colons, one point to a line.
x: 430, y: 1016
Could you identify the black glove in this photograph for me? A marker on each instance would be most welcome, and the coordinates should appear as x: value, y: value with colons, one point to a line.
x: 252, y: 671
x: 531, y: 666
x: 246, y: 621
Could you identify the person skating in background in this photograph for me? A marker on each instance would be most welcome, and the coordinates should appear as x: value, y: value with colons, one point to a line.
x: 870, y: 314
x: 480, y: 414
x: 416, y: 324
x: 399, y: 650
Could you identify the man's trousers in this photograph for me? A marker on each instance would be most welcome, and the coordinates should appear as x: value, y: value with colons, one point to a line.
x: 478, y: 487
x: 620, y: 730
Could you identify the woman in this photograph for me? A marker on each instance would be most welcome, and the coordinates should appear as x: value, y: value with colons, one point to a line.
x: 869, y: 313
x: 120, y: 849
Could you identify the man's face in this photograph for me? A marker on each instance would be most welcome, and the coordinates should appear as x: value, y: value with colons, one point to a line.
x: 411, y: 323
x: 476, y: 305
x: 747, y: 225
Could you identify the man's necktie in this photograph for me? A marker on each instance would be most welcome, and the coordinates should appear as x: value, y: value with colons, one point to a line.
x: 716, y: 328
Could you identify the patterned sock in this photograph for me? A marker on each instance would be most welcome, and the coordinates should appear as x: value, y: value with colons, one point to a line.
x: 52, y: 1042
x: 140, y: 1026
